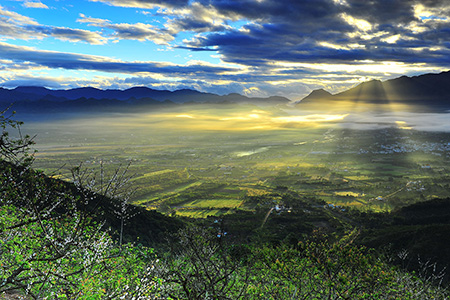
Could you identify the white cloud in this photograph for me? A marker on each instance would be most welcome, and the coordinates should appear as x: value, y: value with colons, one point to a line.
x: 391, y: 39
x: 426, y: 14
x: 17, y: 26
x: 137, y: 31
x: 7, y: 16
x: 358, y: 23
x: 34, y: 4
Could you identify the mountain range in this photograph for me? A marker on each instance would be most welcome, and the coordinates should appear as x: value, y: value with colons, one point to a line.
x: 428, y: 90
x: 40, y: 99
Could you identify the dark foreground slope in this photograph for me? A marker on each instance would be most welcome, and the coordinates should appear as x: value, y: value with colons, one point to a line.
x: 419, y: 231
x: 50, y: 195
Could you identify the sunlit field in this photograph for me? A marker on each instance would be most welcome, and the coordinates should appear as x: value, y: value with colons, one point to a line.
x: 202, y: 160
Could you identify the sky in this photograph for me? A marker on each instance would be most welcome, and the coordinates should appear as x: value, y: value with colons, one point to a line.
x: 257, y: 48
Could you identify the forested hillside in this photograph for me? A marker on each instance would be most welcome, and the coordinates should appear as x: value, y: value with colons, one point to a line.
x: 81, y: 240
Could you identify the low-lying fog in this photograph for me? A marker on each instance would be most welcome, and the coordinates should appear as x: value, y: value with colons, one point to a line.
x: 403, y: 120
x: 241, y: 118
x: 210, y: 119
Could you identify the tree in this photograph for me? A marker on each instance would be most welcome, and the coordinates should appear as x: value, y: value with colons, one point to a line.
x: 114, y: 188
x: 51, y: 242
x: 201, y: 266
x: 15, y: 149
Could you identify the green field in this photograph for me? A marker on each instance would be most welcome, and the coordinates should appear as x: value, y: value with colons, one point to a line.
x: 204, y: 160
x: 217, y: 203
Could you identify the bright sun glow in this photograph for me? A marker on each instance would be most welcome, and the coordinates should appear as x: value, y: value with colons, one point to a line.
x: 310, y: 118
x: 403, y: 125
x: 256, y: 120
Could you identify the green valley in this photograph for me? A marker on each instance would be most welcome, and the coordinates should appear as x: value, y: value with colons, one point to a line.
x: 223, y: 155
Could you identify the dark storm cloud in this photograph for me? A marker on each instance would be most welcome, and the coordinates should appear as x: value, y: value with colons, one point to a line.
x: 295, y: 31
x: 72, y: 61
x: 274, y: 9
x: 193, y: 24
x: 382, y: 11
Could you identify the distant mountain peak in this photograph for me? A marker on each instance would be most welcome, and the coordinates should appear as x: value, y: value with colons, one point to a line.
x: 32, y: 90
x: 87, y: 88
x: 431, y: 91
x: 316, y: 95
x: 138, y: 88
x: 320, y: 92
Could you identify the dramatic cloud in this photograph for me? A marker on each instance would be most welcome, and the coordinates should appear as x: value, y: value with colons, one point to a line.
x: 332, y: 31
x: 255, y: 47
x: 198, y: 18
x: 195, y: 17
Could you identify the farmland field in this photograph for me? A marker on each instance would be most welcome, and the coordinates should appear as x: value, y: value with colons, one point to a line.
x: 215, y: 159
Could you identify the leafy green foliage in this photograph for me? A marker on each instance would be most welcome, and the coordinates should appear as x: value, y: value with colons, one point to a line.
x: 204, y: 266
